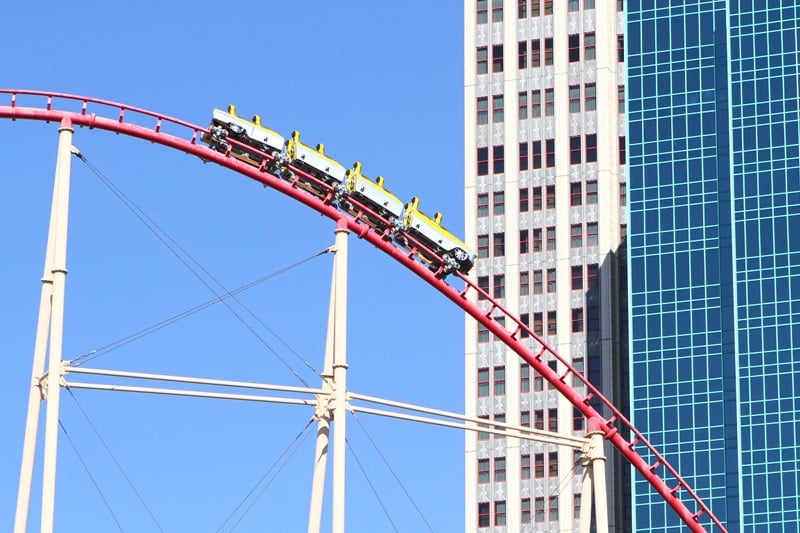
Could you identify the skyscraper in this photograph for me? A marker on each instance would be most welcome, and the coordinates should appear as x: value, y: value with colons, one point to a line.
x: 715, y: 254
x: 545, y: 208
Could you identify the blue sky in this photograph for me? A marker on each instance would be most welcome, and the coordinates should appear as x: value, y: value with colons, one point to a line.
x: 378, y: 82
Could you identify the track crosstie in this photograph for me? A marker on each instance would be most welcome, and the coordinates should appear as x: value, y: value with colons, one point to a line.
x: 120, y: 118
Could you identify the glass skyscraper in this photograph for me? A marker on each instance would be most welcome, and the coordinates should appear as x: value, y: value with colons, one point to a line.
x: 714, y: 250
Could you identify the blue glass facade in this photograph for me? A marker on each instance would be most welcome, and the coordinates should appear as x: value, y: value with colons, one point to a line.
x: 714, y: 248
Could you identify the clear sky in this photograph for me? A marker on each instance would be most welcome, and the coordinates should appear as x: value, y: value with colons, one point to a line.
x: 379, y: 82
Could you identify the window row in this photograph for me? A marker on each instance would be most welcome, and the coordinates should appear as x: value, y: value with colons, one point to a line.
x: 537, y: 58
x: 545, y: 508
x: 541, y: 52
x: 574, y: 47
x: 576, y: 235
x: 589, y: 97
x: 536, y: 103
x: 532, y: 157
x: 538, y: 197
x: 534, y: 8
x: 538, y: 379
x: 530, y: 8
x: 538, y: 325
x: 543, y: 419
x: 539, y: 467
x: 588, y: 318
x: 498, y: 160
x: 576, y: 149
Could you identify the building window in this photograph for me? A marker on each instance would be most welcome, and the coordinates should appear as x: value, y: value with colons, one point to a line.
x: 576, y: 506
x: 499, y: 244
x: 549, y: 102
x: 525, y: 466
x: 499, y: 286
x: 483, y: 110
x: 588, y: 4
x: 577, y: 277
x: 593, y: 318
x: 524, y: 236
x: 552, y: 464
x: 577, y: 364
x: 552, y: 325
x: 537, y: 239
x: 537, y: 154
x: 592, y: 275
x: 536, y: 53
x: 590, y: 97
x: 483, y: 514
x: 483, y: 333
x: 523, y: 200
x: 522, y: 9
x: 621, y: 98
x: 525, y: 504
x: 538, y: 382
x: 551, y: 280
x: 522, y: 55
x: 523, y: 156
x: 525, y: 318
x: 483, y: 382
x: 621, y: 48
x: 537, y: 198
x: 553, y: 506
x: 524, y: 377
x: 575, y: 150
x: 538, y: 324
x: 574, y: 98
x: 591, y: 234
x: 577, y: 420
x: 483, y: 246
x: 538, y: 510
x: 483, y: 161
x: 573, y: 5
x: 548, y: 7
x: 483, y: 204
x: 483, y: 284
x: 483, y: 60
x: 497, y: 58
x: 620, y: 5
x: 538, y: 458
x: 591, y: 192
x: 622, y: 155
x: 550, y: 152
x: 524, y: 283
x: 588, y: 46
x: 591, y: 148
x: 535, y: 8
x: 548, y: 51
x: 538, y: 283
x: 500, y: 513
x: 574, y: 48
x: 577, y: 320
x: 551, y: 196
x: 499, y: 380
x: 497, y: 10
x: 536, y: 103
x: 499, y: 202
x: 499, y: 469
x: 552, y: 420
x: 623, y: 232
x: 483, y: 12
x: 575, y: 194
x: 523, y: 105
x: 525, y: 419
x: 498, y: 113
x: 623, y: 194
x: 483, y: 470
x: 483, y: 435
x: 576, y: 236
x: 498, y: 164
x: 551, y: 238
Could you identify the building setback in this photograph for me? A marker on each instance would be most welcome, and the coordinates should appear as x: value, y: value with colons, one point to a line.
x: 715, y: 254
x: 545, y: 195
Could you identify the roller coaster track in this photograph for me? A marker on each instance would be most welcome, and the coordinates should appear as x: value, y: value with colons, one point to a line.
x: 180, y: 135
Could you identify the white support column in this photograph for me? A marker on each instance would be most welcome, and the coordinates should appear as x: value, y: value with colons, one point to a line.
x: 594, y: 461
x: 340, y: 377
x: 59, y: 274
x: 36, y: 394
x: 586, y: 499
x: 323, y: 415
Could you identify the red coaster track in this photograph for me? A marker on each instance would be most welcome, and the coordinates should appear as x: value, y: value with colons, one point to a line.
x: 148, y: 125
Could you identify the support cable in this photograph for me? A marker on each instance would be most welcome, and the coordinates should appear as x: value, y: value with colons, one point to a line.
x: 371, y: 486
x: 285, y: 456
x: 97, y: 352
x: 91, y: 477
x: 116, y: 461
x: 171, y: 244
x: 394, y: 474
